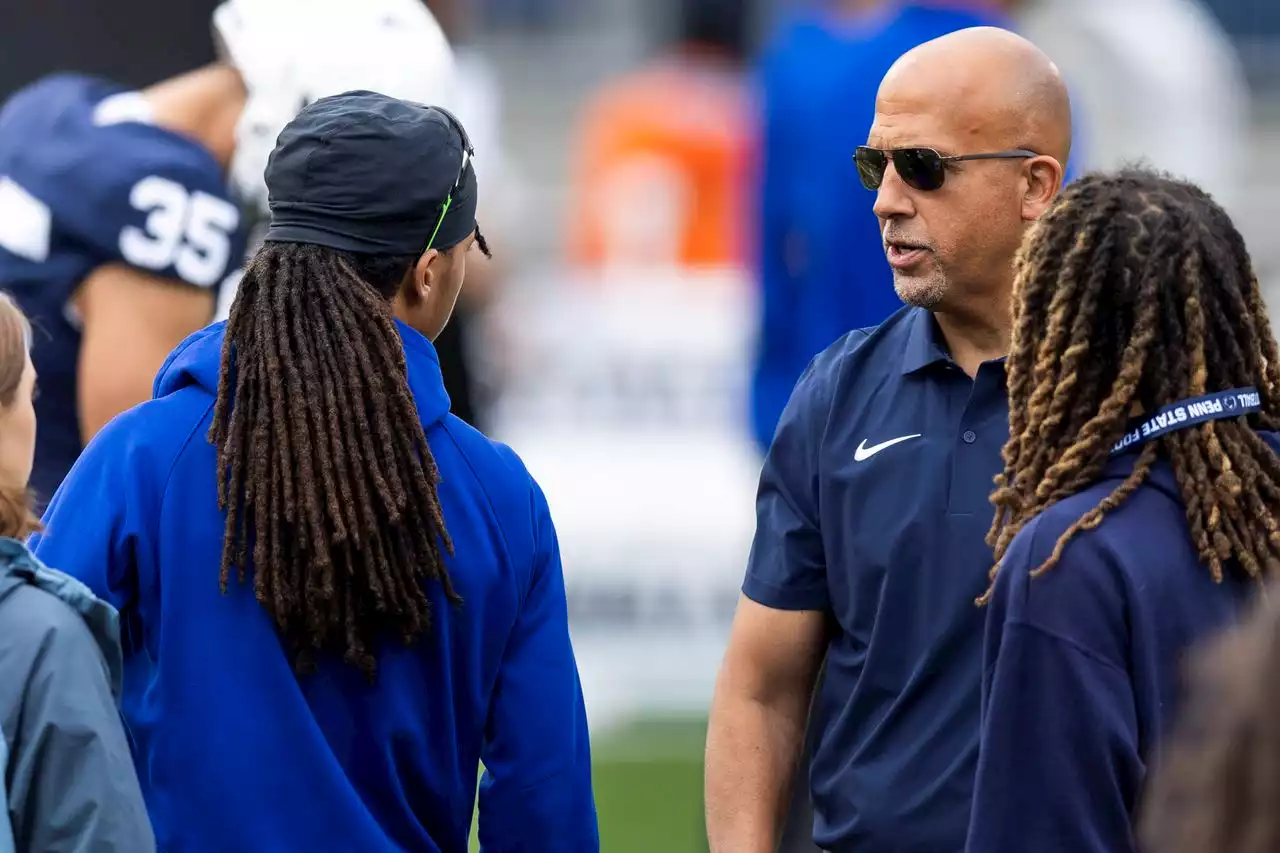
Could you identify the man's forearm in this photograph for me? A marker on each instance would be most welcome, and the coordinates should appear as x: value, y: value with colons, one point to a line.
x: 752, y: 752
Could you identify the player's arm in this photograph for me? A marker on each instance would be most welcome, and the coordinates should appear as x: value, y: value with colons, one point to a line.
x: 154, y: 210
x: 763, y: 693
x: 131, y: 321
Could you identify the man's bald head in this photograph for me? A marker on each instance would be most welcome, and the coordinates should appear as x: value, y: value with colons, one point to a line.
x: 994, y: 86
x: 996, y: 110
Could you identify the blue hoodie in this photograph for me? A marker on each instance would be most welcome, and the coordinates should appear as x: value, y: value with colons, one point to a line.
x: 235, y: 753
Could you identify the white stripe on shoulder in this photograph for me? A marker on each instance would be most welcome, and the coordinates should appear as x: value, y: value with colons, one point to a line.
x: 124, y: 107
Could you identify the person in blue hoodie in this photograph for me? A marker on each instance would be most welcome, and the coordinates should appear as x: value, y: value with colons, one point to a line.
x: 1138, y: 509
x: 338, y: 599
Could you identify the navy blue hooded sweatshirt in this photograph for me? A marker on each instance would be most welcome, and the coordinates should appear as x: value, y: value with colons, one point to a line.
x: 1083, y: 666
x: 234, y: 752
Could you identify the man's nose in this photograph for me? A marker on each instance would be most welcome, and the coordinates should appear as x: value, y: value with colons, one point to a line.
x: 894, y: 198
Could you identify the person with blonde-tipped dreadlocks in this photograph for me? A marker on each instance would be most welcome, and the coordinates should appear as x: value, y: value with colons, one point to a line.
x: 339, y: 599
x: 1138, y: 506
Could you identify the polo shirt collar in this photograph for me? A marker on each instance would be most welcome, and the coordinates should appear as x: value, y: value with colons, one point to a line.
x: 925, y: 345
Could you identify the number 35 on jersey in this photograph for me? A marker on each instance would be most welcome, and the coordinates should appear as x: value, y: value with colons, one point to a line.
x: 189, y: 231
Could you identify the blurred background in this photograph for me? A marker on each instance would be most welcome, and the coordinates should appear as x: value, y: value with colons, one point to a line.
x: 662, y: 215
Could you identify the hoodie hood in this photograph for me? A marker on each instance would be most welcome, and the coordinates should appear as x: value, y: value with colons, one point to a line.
x: 198, y: 361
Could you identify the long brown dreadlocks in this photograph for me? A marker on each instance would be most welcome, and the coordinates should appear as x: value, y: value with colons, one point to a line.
x: 1216, y: 785
x: 323, y: 466
x: 1133, y: 292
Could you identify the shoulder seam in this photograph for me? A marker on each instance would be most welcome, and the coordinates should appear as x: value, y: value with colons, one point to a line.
x: 173, y: 464
x: 1066, y: 641
x: 502, y: 530
x: 835, y: 369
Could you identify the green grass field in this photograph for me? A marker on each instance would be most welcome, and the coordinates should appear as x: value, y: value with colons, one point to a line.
x: 648, y: 781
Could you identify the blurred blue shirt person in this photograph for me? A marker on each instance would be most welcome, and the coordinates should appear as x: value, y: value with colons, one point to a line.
x: 392, y: 608
x: 821, y: 260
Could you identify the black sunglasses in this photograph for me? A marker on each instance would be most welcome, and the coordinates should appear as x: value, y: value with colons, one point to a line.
x: 467, y: 153
x: 921, y: 168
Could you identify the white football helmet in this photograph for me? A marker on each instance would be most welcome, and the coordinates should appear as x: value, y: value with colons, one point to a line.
x: 291, y: 53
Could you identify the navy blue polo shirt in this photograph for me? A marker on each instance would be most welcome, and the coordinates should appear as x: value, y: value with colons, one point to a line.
x: 1083, y: 666
x: 873, y: 506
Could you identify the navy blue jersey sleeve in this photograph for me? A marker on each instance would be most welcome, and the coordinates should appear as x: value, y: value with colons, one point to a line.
x: 162, y: 207
x: 1060, y: 767
x: 99, y: 181
x: 787, y: 569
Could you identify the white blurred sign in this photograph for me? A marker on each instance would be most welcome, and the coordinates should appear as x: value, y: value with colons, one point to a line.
x: 627, y: 400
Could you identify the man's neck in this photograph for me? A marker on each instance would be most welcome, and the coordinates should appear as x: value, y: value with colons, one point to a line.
x: 204, y: 105
x: 973, y: 337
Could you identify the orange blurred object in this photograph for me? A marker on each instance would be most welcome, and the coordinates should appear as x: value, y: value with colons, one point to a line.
x: 660, y: 172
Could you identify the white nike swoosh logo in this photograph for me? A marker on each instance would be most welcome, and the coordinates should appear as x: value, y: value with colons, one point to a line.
x: 863, y: 453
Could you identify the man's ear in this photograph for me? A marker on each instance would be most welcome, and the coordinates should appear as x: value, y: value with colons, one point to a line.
x: 423, y: 276
x: 1043, y: 181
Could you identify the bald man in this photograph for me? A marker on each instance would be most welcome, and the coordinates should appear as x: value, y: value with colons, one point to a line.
x: 872, y: 506
x: 815, y: 240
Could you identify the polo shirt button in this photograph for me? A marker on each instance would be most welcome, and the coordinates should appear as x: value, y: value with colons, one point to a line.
x: 969, y: 436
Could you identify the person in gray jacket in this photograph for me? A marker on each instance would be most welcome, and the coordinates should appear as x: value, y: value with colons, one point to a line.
x: 68, y: 781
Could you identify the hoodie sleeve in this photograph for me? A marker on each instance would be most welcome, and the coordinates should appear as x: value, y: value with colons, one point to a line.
x: 94, y: 525
x: 536, y: 792
x: 1060, y: 766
